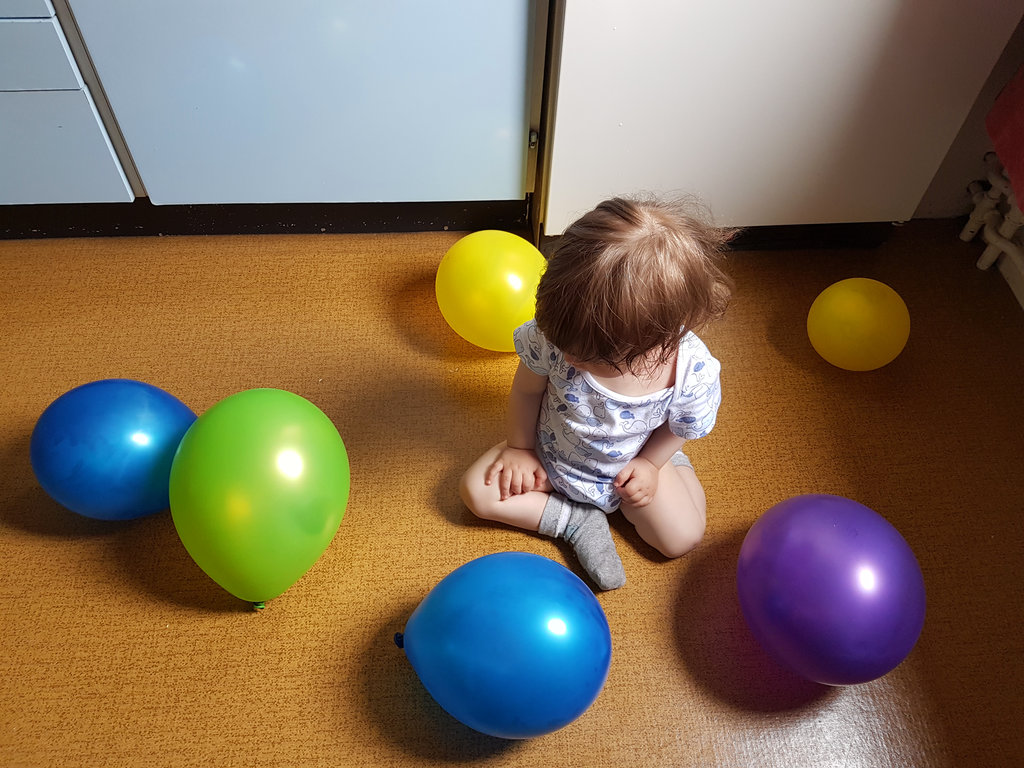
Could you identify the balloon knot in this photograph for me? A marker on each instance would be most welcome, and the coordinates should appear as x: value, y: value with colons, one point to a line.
x: 258, y: 606
x: 399, y: 640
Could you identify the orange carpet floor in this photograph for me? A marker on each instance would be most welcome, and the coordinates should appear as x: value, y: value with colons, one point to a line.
x: 117, y: 650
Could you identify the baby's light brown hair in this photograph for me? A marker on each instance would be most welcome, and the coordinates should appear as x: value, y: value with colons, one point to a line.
x: 630, y: 278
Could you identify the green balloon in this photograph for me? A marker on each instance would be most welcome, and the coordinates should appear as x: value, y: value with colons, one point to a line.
x: 258, y: 488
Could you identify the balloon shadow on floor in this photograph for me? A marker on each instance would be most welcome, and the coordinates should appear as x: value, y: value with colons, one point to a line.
x: 718, y: 648
x: 415, y: 313
x: 154, y: 557
x: 27, y: 507
x: 146, y: 550
x: 405, y: 713
x: 33, y: 511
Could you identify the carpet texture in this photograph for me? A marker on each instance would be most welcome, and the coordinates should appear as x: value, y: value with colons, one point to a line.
x: 117, y: 650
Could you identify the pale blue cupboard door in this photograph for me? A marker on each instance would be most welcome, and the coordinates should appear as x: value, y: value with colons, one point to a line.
x: 53, y: 145
x: 238, y: 101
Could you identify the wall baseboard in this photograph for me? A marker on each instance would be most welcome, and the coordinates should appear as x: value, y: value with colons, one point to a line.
x: 870, y: 234
x: 142, y: 218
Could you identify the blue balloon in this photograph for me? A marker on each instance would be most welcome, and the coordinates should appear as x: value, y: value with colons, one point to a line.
x: 104, y: 449
x: 513, y: 645
x: 830, y: 589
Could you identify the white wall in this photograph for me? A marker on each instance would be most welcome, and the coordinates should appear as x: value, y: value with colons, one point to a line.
x: 794, y: 112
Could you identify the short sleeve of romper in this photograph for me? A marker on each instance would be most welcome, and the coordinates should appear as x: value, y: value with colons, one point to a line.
x: 698, y: 391
x: 537, y: 353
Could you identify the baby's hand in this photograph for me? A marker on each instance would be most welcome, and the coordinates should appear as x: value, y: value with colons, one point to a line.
x: 637, y: 482
x: 518, y: 471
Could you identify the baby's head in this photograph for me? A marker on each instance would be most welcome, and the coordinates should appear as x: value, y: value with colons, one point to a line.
x: 629, y: 279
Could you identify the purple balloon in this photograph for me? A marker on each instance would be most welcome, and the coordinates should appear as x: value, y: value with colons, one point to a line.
x: 830, y: 589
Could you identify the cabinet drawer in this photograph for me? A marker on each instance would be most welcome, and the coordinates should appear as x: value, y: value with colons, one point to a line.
x: 25, y: 9
x: 34, y: 56
x: 55, y: 150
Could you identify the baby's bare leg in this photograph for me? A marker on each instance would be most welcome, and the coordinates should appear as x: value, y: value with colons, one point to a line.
x: 585, y: 527
x: 673, y: 523
x: 523, y: 510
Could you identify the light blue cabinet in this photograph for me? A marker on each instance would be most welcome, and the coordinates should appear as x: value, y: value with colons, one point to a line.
x: 25, y: 9
x: 254, y: 101
x: 53, y: 149
x: 53, y: 145
x: 34, y: 57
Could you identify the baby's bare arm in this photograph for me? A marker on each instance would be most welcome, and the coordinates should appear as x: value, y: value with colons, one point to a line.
x: 517, y: 468
x: 524, y: 407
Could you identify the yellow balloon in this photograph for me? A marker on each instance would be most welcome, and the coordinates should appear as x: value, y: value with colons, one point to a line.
x: 486, y: 287
x: 858, y: 324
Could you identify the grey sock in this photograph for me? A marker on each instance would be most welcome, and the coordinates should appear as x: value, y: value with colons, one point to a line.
x: 680, y: 459
x: 585, y: 527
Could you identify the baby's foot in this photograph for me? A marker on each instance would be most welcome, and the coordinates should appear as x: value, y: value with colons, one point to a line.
x: 591, y: 538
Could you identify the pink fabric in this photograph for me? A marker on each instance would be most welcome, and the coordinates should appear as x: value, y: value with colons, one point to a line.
x: 1005, y: 125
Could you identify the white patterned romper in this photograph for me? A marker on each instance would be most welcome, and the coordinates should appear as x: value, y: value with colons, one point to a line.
x: 586, y: 433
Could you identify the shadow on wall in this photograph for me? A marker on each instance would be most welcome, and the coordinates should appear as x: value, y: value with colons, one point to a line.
x: 947, y: 197
x: 860, y: 147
